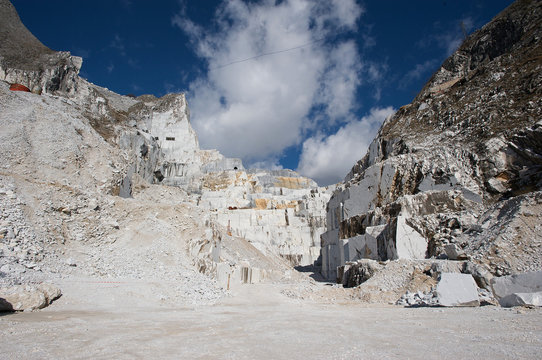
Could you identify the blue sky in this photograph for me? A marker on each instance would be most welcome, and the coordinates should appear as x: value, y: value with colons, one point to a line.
x: 297, y: 84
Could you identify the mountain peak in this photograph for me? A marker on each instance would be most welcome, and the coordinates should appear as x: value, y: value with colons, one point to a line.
x: 18, y: 48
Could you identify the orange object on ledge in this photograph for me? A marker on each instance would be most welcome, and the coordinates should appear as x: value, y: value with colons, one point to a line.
x: 19, y: 87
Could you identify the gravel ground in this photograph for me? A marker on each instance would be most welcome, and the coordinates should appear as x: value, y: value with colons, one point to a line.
x: 105, y: 320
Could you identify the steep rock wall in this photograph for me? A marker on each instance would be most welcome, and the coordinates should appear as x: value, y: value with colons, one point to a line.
x: 285, y: 221
x: 469, y: 141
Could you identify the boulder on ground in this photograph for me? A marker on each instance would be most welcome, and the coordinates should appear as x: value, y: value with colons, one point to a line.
x: 454, y: 252
x: 518, y: 289
x: 356, y: 273
x: 480, y: 273
x: 456, y: 289
x: 522, y: 299
x: 26, y: 297
x: 50, y: 291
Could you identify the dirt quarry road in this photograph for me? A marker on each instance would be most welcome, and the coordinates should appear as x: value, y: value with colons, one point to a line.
x: 115, y: 320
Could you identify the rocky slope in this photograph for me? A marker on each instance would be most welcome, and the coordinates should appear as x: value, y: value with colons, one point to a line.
x: 96, y: 184
x: 457, y: 173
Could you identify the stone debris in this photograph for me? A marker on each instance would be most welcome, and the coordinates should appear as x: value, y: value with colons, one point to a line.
x: 452, y: 290
x: 454, y: 252
x: 418, y: 299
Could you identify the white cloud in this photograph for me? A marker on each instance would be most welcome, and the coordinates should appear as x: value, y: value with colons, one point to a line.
x: 418, y: 71
x: 271, y: 164
x: 255, y: 109
x: 327, y: 159
x: 118, y: 44
x: 340, y: 81
x: 342, y: 14
x: 451, y: 38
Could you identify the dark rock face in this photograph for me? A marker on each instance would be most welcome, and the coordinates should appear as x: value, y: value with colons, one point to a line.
x: 18, y: 48
x: 469, y: 142
x: 25, y: 60
x: 499, y: 39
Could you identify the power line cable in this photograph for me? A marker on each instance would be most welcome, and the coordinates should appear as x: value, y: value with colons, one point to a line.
x: 266, y: 54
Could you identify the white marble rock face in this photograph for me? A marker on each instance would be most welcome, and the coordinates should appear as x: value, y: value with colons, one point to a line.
x: 279, y: 212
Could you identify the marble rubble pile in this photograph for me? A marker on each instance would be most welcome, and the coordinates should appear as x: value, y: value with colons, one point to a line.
x: 452, y: 290
x: 456, y: 174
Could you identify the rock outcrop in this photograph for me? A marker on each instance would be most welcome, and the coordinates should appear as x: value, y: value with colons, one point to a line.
x: 25, y: 60
x: 449, y: 173
x: 279, y: 212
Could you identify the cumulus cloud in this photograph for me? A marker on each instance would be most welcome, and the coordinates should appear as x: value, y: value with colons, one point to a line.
x: 295, y: 81
x: 271, y: 164
x: 327, y: 159
x: 340, y: 81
